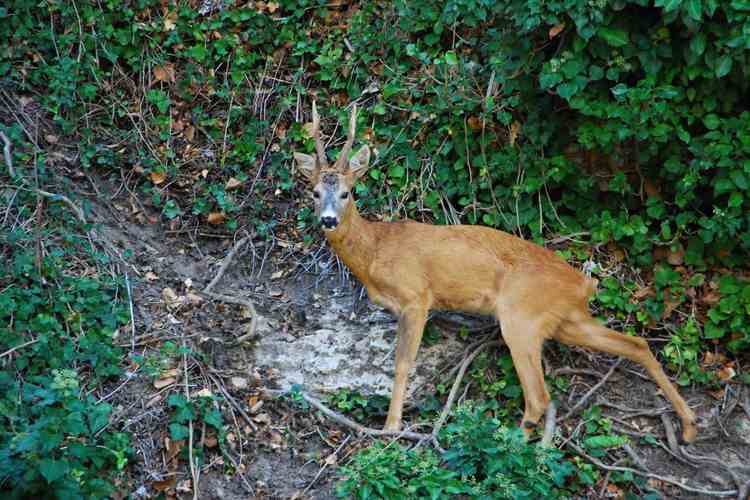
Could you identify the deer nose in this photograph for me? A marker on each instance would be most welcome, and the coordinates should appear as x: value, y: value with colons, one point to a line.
x: 329, y: 222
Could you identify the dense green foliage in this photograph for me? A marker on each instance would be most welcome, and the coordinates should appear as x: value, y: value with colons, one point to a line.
x: 54, y: 435
x: 483, y: 459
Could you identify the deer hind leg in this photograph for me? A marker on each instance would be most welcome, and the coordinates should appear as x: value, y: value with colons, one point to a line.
x: 410, y: 328
x: 589, y: 333
x: 525, y: 339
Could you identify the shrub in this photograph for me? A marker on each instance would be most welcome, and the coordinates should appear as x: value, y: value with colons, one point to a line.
x: 483, y: 459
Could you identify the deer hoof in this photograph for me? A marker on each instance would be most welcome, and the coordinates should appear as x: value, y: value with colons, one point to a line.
x: 392, y: 426
x: 689, y: 433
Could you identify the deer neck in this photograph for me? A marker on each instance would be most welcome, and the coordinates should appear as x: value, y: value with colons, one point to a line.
x: 353, y: 240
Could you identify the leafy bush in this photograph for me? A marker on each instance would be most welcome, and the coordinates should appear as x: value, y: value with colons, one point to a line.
x: 483, y: 459
x: 54, y: 435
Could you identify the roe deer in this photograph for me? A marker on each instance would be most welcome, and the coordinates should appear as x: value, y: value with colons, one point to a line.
x: 410, y: 268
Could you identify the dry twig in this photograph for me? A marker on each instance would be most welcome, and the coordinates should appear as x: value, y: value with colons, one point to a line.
x: 325, y: 465
x: 193, y: 469
x: 346, y: 421
x: 593, y: 390
x: 692, y: 489
x: 454, y: 390
x: 230, y: 299
x: 241, y: 302
x: 549, y: 425
x: 20, y: 346
x: 671, y: 436
x: 225, y: 263
x: 7, y: 154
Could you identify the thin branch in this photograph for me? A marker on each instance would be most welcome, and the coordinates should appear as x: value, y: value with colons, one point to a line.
x: 234, y: 403
x: 591, y: 391
x: 602, y: 465
x: 53, y: 196
x: 325, y: 465
x: 225, y: 263
x: 230, y: 299
x: 20, y: 346
x: 132, y: 316
x: 241, y: 302
x: 193, y: 469
x: 7, y: 154
x: 346, y: 421
x: 549, y: 425
x: 671, y: 436
x: 454, y: 390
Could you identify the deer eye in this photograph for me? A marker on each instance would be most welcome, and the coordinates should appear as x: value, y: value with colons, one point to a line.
x: 344, y: 195
x: 316, y: 195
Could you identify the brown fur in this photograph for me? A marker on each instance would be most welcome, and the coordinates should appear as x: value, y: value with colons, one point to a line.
x: 410, y: 268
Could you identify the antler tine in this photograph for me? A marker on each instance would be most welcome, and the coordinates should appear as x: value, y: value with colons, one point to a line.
x: 316, y: 135
x: 344, y: 155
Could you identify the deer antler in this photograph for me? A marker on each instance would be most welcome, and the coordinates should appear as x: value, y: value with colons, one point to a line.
x: 343, y: 158
x: 322, y: 162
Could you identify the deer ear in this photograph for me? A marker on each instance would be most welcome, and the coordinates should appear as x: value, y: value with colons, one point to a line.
x: 306, y: 164
x: 360, y: 162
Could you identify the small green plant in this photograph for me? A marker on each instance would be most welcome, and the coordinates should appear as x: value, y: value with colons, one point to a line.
x: 393, y: 472
x: 599, y: 434
x: 200, y: 409
x: 730, y: 317
x: 498, y: 382
x: 359, y: 405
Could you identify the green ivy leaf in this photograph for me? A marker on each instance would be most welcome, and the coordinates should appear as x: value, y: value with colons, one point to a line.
x: 605, y: 441
x: 549, y: 80
x: 739, y: 178
x: 712, y: 331
x: 723, y: 66
x: 396, y: 172
x: 619, y: 90
x: 52, y: 470
x: 698, y: 44
x: 614, y: 37
x: 711, y: 121
x: 695, y: 9
x: 178, y: 431
x: 450, y: 58
x: 668, y: 5
x: 735, y: 199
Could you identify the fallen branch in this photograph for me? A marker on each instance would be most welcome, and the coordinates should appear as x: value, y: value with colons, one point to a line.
x: 234, y: 403
x: 634, y: 456
x: 225, y: 263
x: 325, y: 465
x: 8, y: 157
x: 549, y: 425
x: 454, y: 390
x: 20, y: 346
x: 593, y: 390
x: 231, y: 299
x: 671, y: 435
x: 602, y: 465
x: 744, y: 492
x: 732, y: 471
x: 7, y: 154
x: 347, y: 422
x: 241, y: 302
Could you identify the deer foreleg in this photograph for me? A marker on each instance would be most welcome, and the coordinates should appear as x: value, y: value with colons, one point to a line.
x: 410, y: 328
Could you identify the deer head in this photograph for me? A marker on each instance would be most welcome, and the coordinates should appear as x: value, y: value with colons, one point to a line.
x: 332, y: 185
